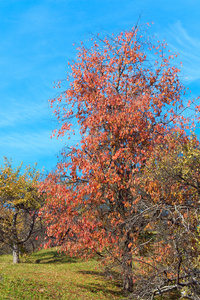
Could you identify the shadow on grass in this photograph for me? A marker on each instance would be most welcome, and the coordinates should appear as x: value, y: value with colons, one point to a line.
x: 96, y: 288
x: 108, y: 275
x: 51, y: 257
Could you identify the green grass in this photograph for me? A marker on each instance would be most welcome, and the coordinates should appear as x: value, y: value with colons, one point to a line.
x: 51, y: 275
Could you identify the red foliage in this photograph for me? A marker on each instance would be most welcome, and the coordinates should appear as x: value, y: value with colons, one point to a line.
x: 126, y: 100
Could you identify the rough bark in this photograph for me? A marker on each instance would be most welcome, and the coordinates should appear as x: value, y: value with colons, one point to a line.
x: 128, y: 281
x: 127, y: 266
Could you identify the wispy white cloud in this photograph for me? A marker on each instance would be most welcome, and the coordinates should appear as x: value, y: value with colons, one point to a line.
x: 30, y: 142
x: 17, y: 113
x: 188, y: 46
x: 34, y: 142
x: 30, y: 148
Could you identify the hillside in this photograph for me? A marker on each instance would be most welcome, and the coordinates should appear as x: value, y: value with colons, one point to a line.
x: 51, y: 275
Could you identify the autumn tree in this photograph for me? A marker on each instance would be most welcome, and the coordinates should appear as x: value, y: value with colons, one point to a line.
x: 126, y: 97
x: 19, y: 206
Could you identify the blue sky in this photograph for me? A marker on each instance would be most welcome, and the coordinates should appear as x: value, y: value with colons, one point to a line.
x: 36, y: 44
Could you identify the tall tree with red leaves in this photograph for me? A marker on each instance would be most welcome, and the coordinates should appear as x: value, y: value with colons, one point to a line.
x: 126, y: 97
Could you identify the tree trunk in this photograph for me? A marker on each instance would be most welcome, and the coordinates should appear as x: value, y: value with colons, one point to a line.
x: 15, y: 253
x: 15, y: 238
x: 128, y: 277
x: 127, y: 266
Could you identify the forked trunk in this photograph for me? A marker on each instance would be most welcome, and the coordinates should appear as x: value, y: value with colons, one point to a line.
x: 15, y: 253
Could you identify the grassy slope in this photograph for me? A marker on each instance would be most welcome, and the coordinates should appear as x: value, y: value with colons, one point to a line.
x: 49, y: 275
